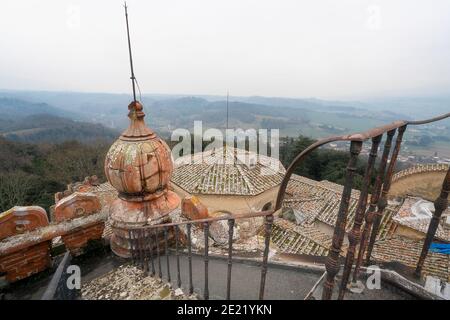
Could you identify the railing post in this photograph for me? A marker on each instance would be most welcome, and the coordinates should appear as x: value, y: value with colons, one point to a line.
x: 230, y: 255
x: 267, y: 233
x: 191, y: 285
x: 177, y: 253
x: 332, y: 264
x: 440, y: 205
x: 355, y: 233
x: 146, y: 251
x: 131, y: 245
x: 158, y: 253
x: 373, y: 202
x: 166, y: 242
x: 382, y: 203
x: 206, y: 259
x: 150, y: 245
x: 142, y: 250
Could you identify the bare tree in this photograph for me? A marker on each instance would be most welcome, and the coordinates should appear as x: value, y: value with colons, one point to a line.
x: 14, y: 189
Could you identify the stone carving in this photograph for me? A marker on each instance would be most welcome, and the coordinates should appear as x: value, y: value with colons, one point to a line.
x: 76, y: 205
x: 22, y: 263
x: 84, y: 186
x: 79, y: 205
x: 21, y: 219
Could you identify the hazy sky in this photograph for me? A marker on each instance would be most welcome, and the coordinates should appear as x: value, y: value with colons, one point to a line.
x: 316, y: 48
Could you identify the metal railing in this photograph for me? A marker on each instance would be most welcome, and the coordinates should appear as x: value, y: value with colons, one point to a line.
x: 440, y: 205
x: 58, y: 288
x: 147, y: 243
x: 378, y: 201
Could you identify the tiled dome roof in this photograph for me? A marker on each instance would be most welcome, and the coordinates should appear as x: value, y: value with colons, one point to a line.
x: 227, y: 171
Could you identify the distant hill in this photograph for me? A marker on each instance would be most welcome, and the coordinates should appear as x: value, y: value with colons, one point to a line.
x: 26, y: 121
x: 11, y: 108
x: 309, y: 119
x: 293, y: 116
x: 49, y: 128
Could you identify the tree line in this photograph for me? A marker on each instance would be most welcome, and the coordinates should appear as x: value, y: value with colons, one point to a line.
x: 30, y: 174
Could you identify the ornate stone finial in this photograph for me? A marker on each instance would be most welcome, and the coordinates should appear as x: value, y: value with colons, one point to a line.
x: 137, y: 129
x: 139, y: 166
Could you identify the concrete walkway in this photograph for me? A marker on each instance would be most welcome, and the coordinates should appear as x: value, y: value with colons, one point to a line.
x: 282, y: 283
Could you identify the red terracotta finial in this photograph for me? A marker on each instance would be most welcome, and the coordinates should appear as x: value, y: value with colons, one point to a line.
x: 137, y: 130
x: 135, y: 108
x: 139, y: 166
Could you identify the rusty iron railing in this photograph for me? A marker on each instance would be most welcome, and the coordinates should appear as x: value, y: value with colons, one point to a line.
x: 378, y: 200
x: 440, y: 205
x: 145, y: 248
x: 142, y: 238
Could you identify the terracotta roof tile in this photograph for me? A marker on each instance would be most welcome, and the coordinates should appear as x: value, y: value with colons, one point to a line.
x: 407, y: 251
x: 227, y: 171
x: 321, y: 200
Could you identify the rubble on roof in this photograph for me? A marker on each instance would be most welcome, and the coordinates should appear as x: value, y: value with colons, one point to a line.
x: 131, y: 283
x: 320, y: 201
x: 291, y: 238
x: 416, y: 213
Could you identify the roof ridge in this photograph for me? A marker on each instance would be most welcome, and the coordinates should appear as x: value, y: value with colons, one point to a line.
x: 199, y: 181
x: 246, y: 180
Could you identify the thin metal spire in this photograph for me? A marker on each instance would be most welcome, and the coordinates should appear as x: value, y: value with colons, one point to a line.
x: 133, y: 79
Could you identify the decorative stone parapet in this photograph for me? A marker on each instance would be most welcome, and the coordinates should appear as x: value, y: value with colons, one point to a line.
x: 76, y: 241
x: 18, y: 220
x: 79, y: 205
x: 26, y: 236
x: 84, y: 186
x: 26, y: 262
x: 35, y: 257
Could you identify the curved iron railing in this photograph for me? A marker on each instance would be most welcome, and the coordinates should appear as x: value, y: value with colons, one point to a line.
x: 145, y: 240
x: 378, y: 200
x: 148, y: 241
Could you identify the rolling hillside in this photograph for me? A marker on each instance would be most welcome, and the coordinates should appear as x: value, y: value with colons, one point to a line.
x: 39, y: 122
